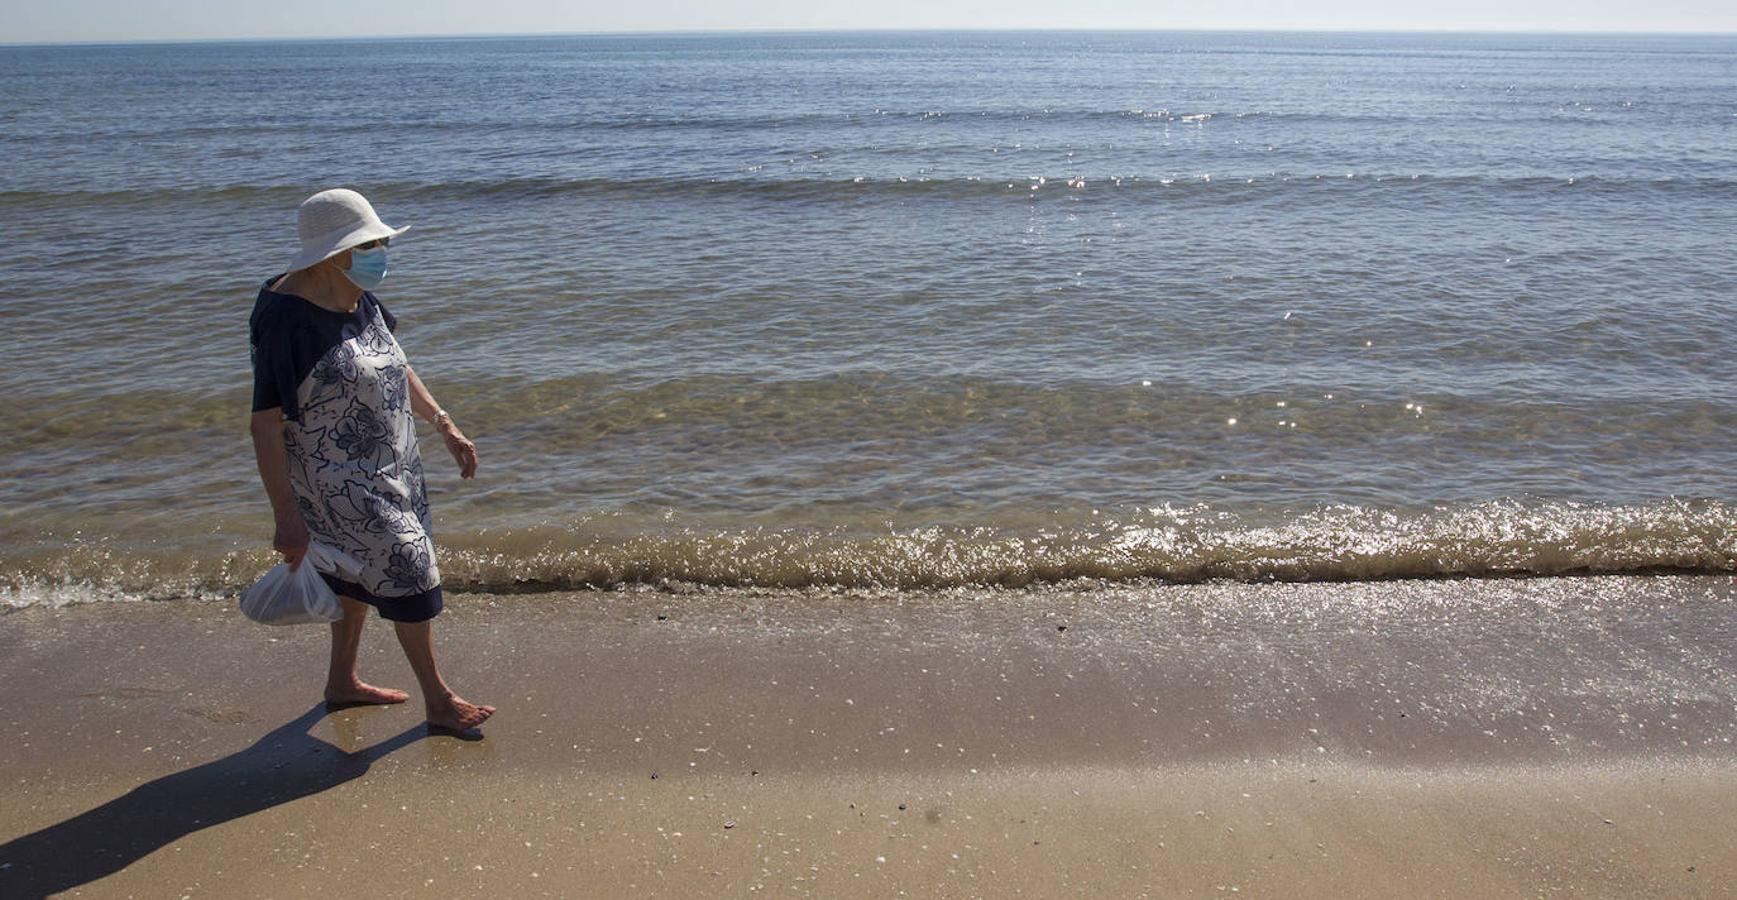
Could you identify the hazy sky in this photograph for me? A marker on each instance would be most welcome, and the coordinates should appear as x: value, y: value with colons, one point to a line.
x: 122, y: 20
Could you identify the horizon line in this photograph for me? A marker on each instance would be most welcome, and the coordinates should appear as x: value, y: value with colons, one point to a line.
x: 775, y: 30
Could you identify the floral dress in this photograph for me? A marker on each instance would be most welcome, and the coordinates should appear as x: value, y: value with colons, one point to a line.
x: 342, y: 382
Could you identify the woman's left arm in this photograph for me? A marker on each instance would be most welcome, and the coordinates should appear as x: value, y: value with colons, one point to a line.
x: 422, y: 403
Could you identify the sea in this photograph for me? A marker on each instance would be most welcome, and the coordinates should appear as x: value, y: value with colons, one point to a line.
x: 912, y: 311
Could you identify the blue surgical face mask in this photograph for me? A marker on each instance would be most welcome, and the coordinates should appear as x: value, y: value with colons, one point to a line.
x: 367, y: 268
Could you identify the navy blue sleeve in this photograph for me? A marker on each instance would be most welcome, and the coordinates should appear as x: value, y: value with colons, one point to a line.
x: 274, y: 366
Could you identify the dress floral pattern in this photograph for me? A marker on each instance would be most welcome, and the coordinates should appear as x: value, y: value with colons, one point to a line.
x: 355, y: 466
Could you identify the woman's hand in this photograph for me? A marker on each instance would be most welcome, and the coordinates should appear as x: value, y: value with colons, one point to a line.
x: 291, y: 539
x: 422, y: 403
x: 462, y: 450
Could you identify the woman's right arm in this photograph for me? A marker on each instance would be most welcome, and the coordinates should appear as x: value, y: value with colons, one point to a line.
x: 291, y: 534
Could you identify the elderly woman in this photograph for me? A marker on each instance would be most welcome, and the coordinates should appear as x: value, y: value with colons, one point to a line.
x: 333, y: 398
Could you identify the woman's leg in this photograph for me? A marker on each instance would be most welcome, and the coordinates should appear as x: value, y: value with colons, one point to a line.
x: 342, y: 684
x: 445, y: 709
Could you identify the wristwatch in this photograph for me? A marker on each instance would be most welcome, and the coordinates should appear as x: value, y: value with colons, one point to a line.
x: 441, y: 415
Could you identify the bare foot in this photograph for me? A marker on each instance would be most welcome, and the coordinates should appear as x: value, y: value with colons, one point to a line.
x: 455, y: 714
x: 361, y: 694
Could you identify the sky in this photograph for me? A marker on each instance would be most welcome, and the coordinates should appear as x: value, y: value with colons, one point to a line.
x: 48, y: 21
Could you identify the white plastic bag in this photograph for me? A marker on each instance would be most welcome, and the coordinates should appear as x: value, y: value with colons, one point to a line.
x: 301, y: 597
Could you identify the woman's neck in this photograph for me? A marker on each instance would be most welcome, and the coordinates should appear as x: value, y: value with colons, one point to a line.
x: 323, y: 286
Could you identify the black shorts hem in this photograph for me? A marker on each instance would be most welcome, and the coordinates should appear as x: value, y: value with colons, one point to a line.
x: 414, y: 608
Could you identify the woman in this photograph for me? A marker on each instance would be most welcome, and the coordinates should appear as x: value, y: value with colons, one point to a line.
x: 333, y: 432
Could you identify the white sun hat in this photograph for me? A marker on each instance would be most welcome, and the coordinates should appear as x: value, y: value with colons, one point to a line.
x: 333, y: 221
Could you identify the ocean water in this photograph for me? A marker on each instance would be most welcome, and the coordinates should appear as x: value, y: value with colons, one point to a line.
x: 912, y: 310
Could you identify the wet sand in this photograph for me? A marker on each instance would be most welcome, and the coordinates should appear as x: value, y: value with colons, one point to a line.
x: 1463, y: 738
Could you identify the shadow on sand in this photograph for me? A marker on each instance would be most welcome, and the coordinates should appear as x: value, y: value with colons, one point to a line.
x: 284, y: 765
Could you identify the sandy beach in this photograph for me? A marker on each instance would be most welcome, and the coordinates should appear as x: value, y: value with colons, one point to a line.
x: 1454, y: 738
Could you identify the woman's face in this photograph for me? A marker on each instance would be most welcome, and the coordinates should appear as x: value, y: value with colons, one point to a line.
x: 342, y: 260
